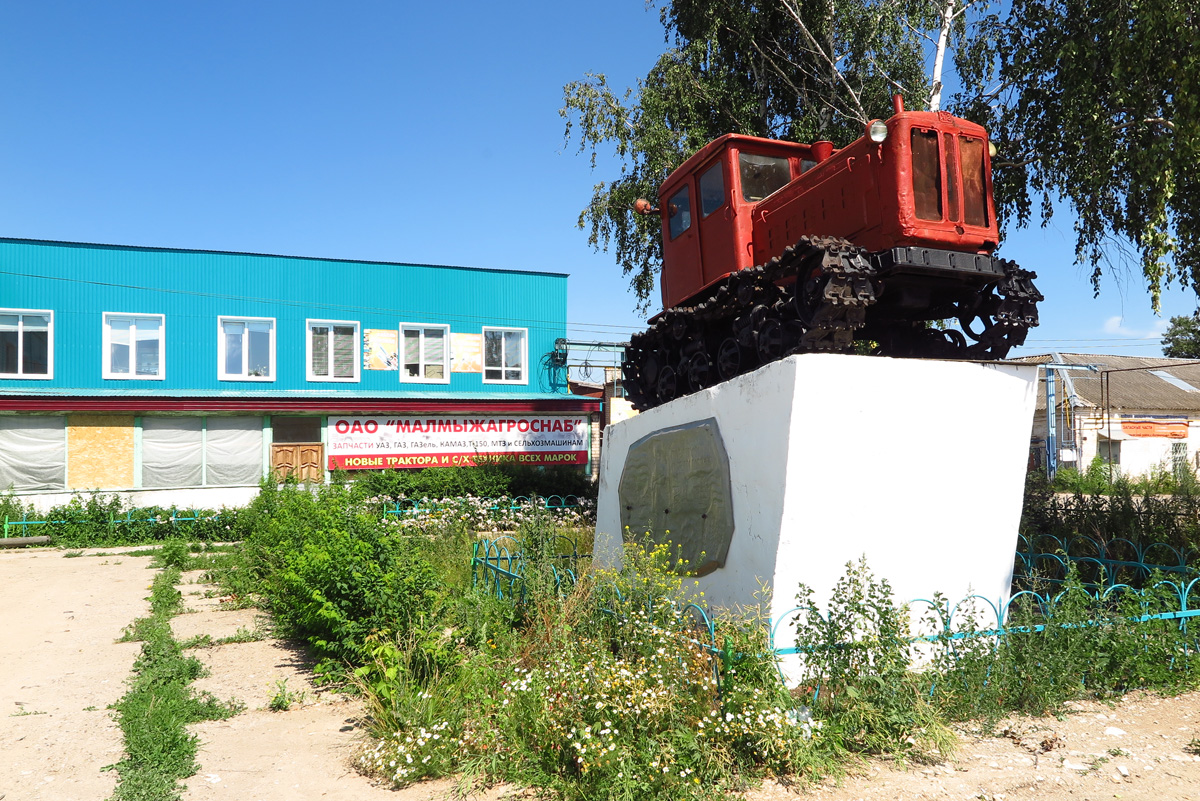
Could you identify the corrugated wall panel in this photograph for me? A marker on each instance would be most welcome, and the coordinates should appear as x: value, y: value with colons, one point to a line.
x: 193, y: 288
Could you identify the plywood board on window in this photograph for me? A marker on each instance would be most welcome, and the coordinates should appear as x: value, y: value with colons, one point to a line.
x: 99, y: 451
x: 466, y: 353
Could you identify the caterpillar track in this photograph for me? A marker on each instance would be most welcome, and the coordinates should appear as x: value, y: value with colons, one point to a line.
x: 822, y: 295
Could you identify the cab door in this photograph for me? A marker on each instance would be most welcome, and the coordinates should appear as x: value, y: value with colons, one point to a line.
x: 681, y: 273
x: 717, y: 214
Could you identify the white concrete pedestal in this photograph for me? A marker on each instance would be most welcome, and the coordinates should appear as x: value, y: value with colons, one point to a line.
x: 918, y: 464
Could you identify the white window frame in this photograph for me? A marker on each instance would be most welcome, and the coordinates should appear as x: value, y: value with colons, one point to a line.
x: 20, y: 374
x: 106, y: 355
x: 308, y: 348
x: 524, y: 379
x: 221, y: 374
x: 400, y: 356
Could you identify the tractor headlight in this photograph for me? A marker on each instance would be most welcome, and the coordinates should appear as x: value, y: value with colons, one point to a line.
x: 877, y: 131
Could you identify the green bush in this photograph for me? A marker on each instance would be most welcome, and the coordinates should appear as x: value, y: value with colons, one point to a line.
x: 590, y: 694
x: 484, y: 481
x: 857, y: 658
x: 331, y: 573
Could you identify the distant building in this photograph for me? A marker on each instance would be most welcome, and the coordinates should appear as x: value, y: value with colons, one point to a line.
x: 1139, y: 413
x: 162, y: 370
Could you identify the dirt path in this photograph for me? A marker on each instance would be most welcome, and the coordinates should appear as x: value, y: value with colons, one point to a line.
x: 60, y: 667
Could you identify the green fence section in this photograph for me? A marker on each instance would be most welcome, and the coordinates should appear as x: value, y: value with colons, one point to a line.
x: 134, y: 521
x: 1046, y: 559
x: 499, y: 567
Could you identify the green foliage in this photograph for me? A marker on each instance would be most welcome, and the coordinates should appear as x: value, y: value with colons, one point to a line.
x: 1161, y: 507
x: 857, y: 659
x: 96, y: 520
x: 154, y: 713
x: 589, y: 694
x: 1063, y: 647
x: 1089, y: 101
x: 484, y: 481
x: 330, y: 573
x: 764, y: 69
x: 1099, y: 108
x: 1182, y: 338
x: 283, y: 698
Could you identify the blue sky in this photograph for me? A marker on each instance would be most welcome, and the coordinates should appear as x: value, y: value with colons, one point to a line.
x: 374, y: 130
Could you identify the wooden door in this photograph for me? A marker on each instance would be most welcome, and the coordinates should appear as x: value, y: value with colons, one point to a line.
x: 304, y: 460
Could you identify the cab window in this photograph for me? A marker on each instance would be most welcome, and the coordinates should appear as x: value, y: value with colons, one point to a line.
x: 926, y: 174
x: 762, y: 175
x: 679, y: 212
x: 712, y: 190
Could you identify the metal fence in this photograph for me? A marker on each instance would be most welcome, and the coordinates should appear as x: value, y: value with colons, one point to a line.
x: 1047, y: 559
x: 499, y: 567
x: 134, y: 518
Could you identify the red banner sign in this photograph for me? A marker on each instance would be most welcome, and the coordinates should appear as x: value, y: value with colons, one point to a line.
x: 1155, y: 426
x: 380, y: 443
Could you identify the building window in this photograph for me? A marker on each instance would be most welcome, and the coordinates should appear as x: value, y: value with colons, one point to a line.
x: 133, y: 346
x: 426, y: 353
x: 332, y: 350
x: 504, y: 356
x: 33, y: 453
x: 26, y: 344
x: 198, y: 451
x: 1109, y: 451
x: 246, y: 348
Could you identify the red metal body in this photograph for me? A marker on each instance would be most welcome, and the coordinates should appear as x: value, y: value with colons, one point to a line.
x: 715, y: 222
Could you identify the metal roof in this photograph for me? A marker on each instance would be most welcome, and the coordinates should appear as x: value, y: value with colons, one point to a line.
x: 1135, y: 383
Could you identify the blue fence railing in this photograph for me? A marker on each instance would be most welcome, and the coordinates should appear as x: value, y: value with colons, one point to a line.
x: 1046, y: 558
x: 134, y: 517
x: 498, y: 567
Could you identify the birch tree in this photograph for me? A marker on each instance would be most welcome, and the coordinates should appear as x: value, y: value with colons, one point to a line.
x: 1091, y: 104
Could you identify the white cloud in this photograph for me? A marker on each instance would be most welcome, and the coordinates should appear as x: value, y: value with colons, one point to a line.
x: 1116, y: 326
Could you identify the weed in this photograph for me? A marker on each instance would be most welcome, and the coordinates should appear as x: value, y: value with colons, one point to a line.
x: 284, y: 698
x: 154, y: 712
x: 23, y: 712
x: 199, y: 641
x: 242, y: 635
x: 72, y: 554
x: 174, y: 553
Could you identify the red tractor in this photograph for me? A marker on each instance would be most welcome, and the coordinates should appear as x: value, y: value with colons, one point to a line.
x: 772, y: 248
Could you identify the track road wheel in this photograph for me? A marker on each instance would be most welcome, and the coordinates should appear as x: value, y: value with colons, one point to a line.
x: 666, y: 389
x: 768, y: 340
x: 729, y: 359
x: 700, y: 372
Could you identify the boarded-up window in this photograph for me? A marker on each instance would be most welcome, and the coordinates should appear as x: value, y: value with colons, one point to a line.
x: 233, y: 451
x: 171, y: 452
x: 33, y: 453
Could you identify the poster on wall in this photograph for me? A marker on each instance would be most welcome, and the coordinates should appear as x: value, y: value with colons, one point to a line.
x: 466, y: 353
x: 1153, y: 425
x: 382, y: 442
x: 380, y: 349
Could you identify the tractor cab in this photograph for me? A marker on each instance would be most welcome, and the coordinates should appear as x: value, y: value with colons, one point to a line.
x: 707, y: 204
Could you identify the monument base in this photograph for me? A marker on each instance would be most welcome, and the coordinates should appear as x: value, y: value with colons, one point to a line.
x: 782, y: 476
